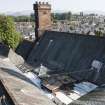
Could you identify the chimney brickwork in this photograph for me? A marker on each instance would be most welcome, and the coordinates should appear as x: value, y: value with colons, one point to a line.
x: 42, y: 18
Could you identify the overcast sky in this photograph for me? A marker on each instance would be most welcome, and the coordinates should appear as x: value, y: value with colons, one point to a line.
x: 67, y: 5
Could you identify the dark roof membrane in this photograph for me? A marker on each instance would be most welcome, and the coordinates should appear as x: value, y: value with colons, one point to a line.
x: 70, y: 53
x: 4, y: 50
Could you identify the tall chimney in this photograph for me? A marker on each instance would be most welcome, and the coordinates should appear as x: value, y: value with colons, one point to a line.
x: 42, y: 18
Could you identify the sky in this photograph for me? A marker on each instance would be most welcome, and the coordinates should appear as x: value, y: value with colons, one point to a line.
x: 61, y: 5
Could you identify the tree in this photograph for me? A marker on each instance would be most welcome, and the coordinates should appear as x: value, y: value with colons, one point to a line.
x: 8, y: 34
x: 22, y: 19
x: 61, y: 16
x: 69, y: 15
x: 32, y: 17
x: 98, y: 33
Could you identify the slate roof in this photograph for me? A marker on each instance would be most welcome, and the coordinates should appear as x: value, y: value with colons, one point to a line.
x: 66, y: 53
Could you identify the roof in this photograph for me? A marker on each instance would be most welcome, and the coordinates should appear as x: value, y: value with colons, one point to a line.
x: 20, y: 89
x: 65, y: 53
x: 81, y: 56
x: 97, y: 97
x: 4, y: 50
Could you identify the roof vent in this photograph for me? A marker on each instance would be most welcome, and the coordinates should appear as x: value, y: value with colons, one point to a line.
x: 97, y: 65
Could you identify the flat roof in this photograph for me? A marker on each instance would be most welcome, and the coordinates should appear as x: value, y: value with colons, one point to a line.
x: 21, y: 89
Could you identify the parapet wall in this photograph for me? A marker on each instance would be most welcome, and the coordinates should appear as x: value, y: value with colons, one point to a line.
x: 6, y: 52
x: 15, y: 58
x: 42, y: 5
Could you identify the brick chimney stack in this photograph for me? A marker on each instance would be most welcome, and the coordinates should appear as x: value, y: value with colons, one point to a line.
x: 42, y: 18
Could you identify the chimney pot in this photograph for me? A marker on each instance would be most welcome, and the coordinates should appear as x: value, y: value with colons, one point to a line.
x: 39, y: 2
x: 47, y: 3
x: 36, y: 2
x: 42, y: 23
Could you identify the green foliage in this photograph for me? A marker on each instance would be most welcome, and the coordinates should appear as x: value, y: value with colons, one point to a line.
x: 22, y: 19
x: 98, y: 33
x: 30, y: 18
x: 8, y: 34
x: 61, y: 16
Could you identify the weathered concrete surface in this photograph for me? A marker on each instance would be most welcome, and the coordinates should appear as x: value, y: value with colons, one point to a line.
x: 22, y: 91
x: 15, y: 58
x: 5, y: 51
